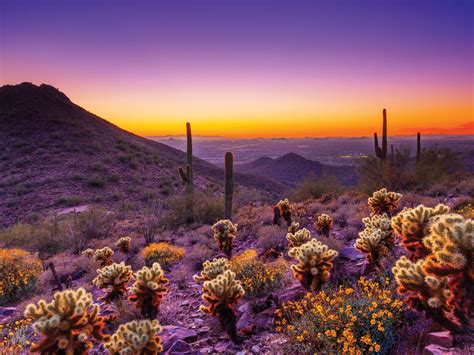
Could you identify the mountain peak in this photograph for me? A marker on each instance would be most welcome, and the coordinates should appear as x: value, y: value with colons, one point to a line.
x: 27, y: 91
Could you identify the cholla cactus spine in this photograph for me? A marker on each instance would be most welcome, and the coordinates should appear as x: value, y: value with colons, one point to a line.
x: 124, y: 244
x: 298, y: 238
x: 383, y: 201
x: 212, y: 269
x: 324, y: 224
x: 136, y: 337
x: 224, y: 233
x: 114, y: 278
x: 222, y: 294
x: 294, y: 227
x: 104, y: 256
x: 66, y: 323
x: 314, y: 264
x: 149, y: 289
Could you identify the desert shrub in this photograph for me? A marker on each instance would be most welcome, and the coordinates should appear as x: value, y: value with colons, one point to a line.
x: 198, y: 255
x: 363, y: 320
x: 271, y: 237
x: 15, y: 336
x: 96, y: 181
x: 314, y: 187
x: 70, y: 201
x: 19, y: 274
x: 465, y: 208
x: 259, y: 278
x: 163, y: 253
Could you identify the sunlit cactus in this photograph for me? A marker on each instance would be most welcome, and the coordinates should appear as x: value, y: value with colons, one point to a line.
x: 298, y: 238
x: 451, y: 243
x: 413, y: 224
x: 114, y: 278
x: 376, y: 240
x: 224, y: 233
x: 314, y: 264
x: 68, y: 323
x: 285, y: 210
x: 324, y: 224
x: 124, y: 244
x: 136, y: 337
x: 212, y: 269
x: 88, y: 253
x: 222, y: 294
x: 293, y: 227
x: 383, y: 201
x: 149, y: 289
x: 104, y: 256
x: 424, y: 292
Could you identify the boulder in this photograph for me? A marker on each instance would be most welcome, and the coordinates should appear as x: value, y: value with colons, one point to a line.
x: 443, y: 339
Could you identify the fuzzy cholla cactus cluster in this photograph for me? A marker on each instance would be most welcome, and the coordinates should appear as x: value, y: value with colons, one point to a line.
x: 324, y: 224
x: 114, y: 278
x: 440, y: 283
x: 124, y: 244
x: 149, y: 289
x: 67, y: 323
x: 282, y: 210
x: 224, y: 232
x: 376, y: 240
x: 413, y: 224
x: 383, y: 201
x: 298, y: 238
x: 104, y: 256
x: 314, y: 264
x: 136, y: 337
x: 222, y: 294
x: 89, y: 253
x: 294, y: 227
x: 212, y: 269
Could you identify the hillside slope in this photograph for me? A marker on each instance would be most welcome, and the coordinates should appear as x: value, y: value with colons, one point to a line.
x: 55, y: 154
x: 292, y: 168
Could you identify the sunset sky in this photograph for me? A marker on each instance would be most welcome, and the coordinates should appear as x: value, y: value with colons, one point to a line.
x: 250, y: 68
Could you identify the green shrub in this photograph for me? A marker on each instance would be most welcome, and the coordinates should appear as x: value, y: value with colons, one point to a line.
x: 96, y: 181
x: 314, y: 187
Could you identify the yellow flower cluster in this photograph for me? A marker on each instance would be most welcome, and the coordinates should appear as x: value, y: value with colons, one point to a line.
x: 19, y: 273
x: 14, y: 337
x: 258, y: 278
x: 163, y: 253
x: 348, y: 321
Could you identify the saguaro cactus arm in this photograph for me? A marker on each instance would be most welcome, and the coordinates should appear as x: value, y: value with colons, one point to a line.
x: 229, y: 184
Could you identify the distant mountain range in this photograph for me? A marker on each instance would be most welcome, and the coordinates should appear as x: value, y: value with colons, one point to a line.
x: 55, y: 154
x: 292, y: 168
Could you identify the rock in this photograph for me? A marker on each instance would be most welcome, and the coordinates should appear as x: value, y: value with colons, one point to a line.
x: 244, y: 321
x: 256, y: 349
x: 443, y: 339
x: 7, y: 311
x: 221, y: 346
x: 292, y: 294
x: 350, y: 253
x: 171, y: 334
x: 180, y: 347
x: 264, y: 320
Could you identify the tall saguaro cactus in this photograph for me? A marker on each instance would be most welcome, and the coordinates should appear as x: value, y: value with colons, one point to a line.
x: 418, y: 146
x: 382, y: 152
x: 229, y: 184
x: 187, y: 176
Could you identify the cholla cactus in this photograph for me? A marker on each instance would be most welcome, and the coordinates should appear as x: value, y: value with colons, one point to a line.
x: 413, y: 224
x: 383, y: 201
x: 114, y: 278
x: 224, y: 233
x: 212, y: 269
x: 285, y: 210
x: 424, y: 292
x: 123, y: 244
x: 136, y: 337
x: 314, y: 264
x: 451, y: 242
x: 324, y: 224
x: 103, y: 256
x: 149, y: 289
x: 67, y: 323
x: 300, y: 237
x: 376, y: 240
x: 88, y: 252
x: 293, y: 228
x: 222, y: 294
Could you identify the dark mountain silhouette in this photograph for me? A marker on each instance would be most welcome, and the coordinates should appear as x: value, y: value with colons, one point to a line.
x: 54, y: 153
x: 292, y: 168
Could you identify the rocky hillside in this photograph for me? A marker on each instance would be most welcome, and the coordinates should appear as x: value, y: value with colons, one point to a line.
x: 292, y: 168
x: 55, y: 154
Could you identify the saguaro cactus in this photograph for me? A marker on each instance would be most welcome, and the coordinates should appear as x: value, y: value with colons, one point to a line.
x: 382, y: 152
x: 187, y: 176
x: 229, y: 184
x: 418, y: 146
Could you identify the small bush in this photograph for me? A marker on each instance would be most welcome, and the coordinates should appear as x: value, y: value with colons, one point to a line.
x: 15, y: 337
x: 271, y: 237
x: 360, y: 321
x: 314, y: 187
x: 96, y: 181
x: 198, y: 254
x: 70, y: 201
x: 163, y: 253
x: 258, y: 278
x: 19, y: 274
